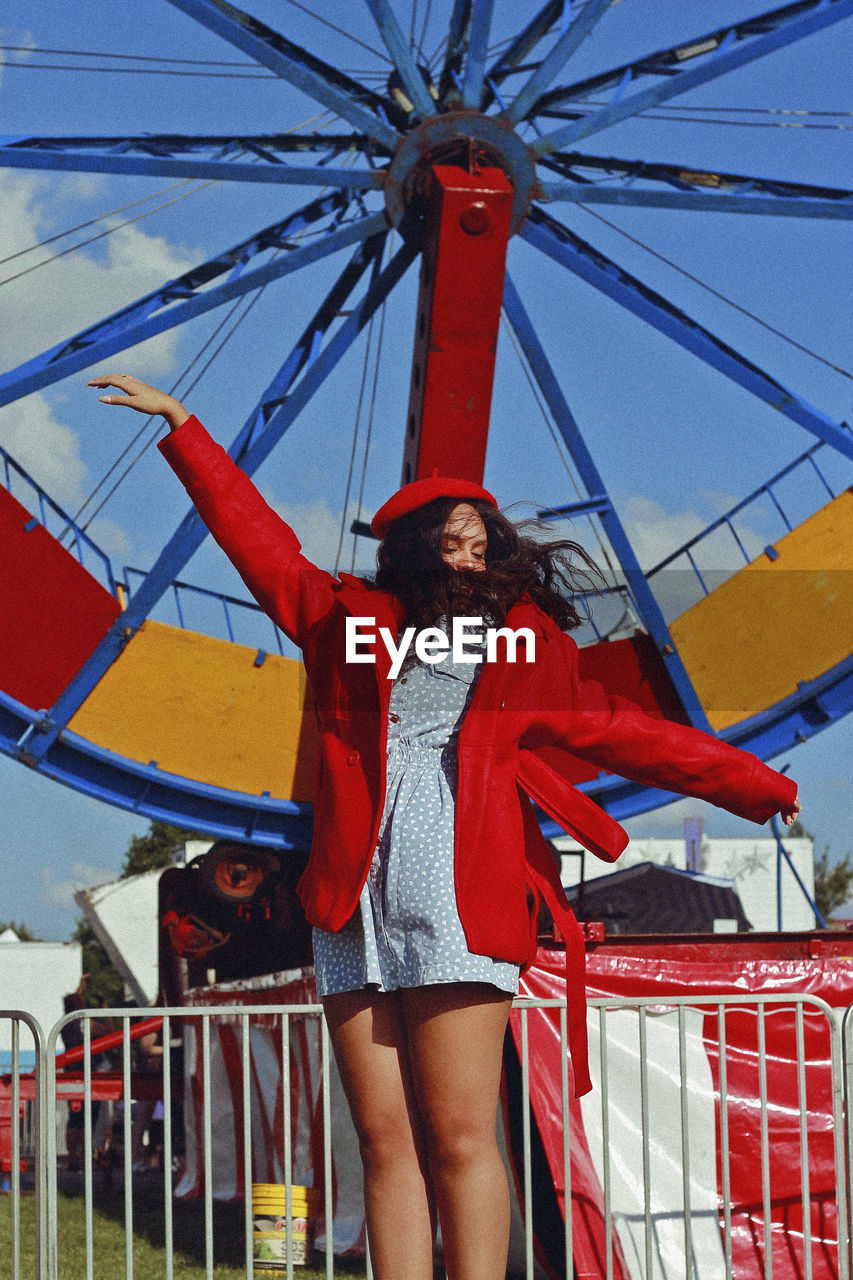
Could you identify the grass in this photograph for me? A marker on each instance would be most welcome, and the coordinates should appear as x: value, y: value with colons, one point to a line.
x: 149, y: 1253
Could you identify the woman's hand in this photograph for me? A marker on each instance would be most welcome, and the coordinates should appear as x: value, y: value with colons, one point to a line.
x: 790, y: 815
x: 137, y: 394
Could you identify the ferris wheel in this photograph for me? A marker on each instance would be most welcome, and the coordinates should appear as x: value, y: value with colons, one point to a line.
x: 461, y: 161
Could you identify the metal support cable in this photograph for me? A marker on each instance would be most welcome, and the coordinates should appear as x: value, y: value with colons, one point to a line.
x: 559, y: 443
x: 146, y: 428
x: 102, y: 217
x: 845, y: 373
x: 54, y: 257
x: 92, y: 222
x: 354, y: 448
x: 372, y: 414
x: 151, y: 426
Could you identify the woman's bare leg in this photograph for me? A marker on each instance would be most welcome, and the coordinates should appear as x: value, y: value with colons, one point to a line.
x: 368, y: 1034
x: 455, y: 1037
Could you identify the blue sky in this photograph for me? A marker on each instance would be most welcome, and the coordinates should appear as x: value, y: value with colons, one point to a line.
x: 676, y: 442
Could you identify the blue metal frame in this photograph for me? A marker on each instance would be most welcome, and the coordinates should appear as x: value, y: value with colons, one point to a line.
x: 568, y: 43
x: 647, y: 605
x: 627, y: 182
x: 454, y: 54
x: 155, y: 794
x: 80, y: 540
x: 192, y: 532
x: 187, y: 297
x: 714, y: 54
x: 407, y: 68
x: 318, y: 79
x: 526, y: 40
x: 782, y: 854
x: 15, y: 156
x: 478, y: 42
x: 562, y: 246
x: 379, y: 125
x: 805, y: 205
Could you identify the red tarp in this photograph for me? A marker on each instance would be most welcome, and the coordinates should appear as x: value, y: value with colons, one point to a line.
x: 636, y: 968
x: 54, y: 612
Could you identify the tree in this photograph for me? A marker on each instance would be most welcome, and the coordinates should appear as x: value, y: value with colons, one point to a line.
x: 104, y: 985
x: 154, y: 849
x: 832, y: 884
x: 24, y: 934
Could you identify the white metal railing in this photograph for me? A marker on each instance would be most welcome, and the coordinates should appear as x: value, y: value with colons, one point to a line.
x: 692, y: 1094
x: 13, y: 1101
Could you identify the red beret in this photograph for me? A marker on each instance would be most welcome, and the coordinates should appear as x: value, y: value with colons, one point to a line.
x: 418, y: 493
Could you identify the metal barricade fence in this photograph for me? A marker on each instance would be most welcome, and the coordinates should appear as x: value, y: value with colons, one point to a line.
x: 847, y: 1087
x: 692, y: 1095
x: 23, y: 1110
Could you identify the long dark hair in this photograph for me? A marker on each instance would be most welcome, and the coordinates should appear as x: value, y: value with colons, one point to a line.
x: 550, y: 573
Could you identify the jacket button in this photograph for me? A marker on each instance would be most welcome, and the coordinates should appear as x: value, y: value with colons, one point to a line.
x: 353, y: 757
x: 395, y: 719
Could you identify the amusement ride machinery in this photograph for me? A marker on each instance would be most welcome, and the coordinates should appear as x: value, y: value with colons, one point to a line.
x: 454, y: 161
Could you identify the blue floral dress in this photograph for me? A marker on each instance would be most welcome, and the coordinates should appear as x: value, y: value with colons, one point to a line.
x: 407, y: 931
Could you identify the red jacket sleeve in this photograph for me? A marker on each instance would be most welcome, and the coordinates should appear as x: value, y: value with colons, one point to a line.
x: 614, y: 734
x: 264, y: 550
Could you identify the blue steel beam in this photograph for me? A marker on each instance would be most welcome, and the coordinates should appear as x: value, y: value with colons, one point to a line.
x: 593, y: 481
x: 686, y: 187
x: 272, y: 147
x: 526, y: 40
x: 322, y: 82
x: 787, y: 724
x: 713, y: 54
x: 562, y: 246
x: 151, y: 792
x: 804, y: 206
x: 568, y: 43
x: 180, y: 300
x: 90, y: 160
x: 191, y: 532
x: 663, y: 62
x: 478, y: 42
x: 401, y: 56
x: 454, y: 54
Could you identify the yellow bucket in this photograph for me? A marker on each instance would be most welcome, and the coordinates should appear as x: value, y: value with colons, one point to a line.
x: 269, y: 1225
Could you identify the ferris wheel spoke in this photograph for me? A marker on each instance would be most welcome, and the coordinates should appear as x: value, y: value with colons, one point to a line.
x: 363, y: 109
x: 454, y: 55
x: 643, y: 598
x: 407, y: 68
x: 567, y: 249
x: 192, y: 532
x: 169, y: 157
x: 478, y: 41
x: 189, y: 295
x: 670, y: 186
x: 568, y: 43
x: 524, y: 42
x: 708, y: 56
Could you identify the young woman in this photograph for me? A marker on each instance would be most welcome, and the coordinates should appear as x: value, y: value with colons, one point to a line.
x: 426, y: 849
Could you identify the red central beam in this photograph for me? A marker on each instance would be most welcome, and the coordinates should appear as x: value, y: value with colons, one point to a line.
x: 459, y: 309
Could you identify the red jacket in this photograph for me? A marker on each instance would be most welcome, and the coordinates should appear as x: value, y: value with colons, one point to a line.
x: 523, y: 719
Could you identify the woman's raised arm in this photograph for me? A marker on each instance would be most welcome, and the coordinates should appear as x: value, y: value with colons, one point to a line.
x: 138, y: 395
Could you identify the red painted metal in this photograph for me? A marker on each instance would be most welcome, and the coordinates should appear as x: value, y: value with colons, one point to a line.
x: 54, y: 612
x: 462, y: 276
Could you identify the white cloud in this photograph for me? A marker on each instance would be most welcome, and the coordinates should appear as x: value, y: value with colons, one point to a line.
x: 44, y: 447
x: 43, y: 307
x: 655, y: 532
x: 318, y: 529
x: 110, y: 537
x: 60, y: 893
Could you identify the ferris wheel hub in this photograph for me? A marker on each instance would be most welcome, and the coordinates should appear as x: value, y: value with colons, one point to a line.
x: 466, y: 138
